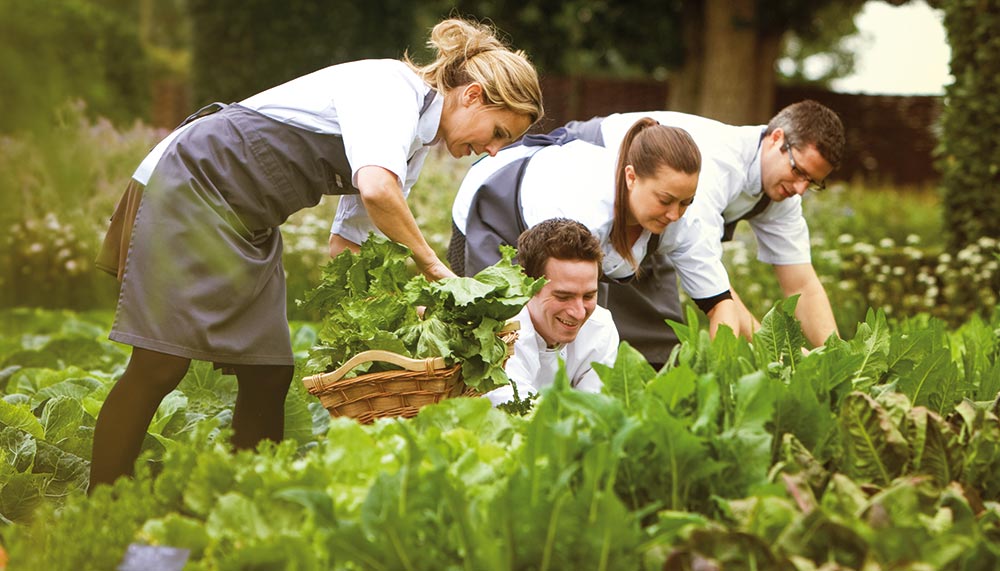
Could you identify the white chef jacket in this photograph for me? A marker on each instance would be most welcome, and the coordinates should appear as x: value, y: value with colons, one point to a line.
x: 576, y: 181
x: 533, y: 366
x: 730, y: 184
x: 373, y: 104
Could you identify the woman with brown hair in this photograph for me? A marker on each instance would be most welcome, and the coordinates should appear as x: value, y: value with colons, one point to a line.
x: 632, y: 198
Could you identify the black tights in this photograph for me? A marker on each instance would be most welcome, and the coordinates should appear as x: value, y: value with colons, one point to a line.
x: 150, y: 376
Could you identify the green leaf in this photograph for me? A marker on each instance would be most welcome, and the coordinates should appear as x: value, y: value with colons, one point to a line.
x: 672, y: 387
x: 179, y: 531
x: 316, y: 502
x: 799, y: 411
x: 207, y: 389
x: 932, y: 381
x: 936, y: 449
x: 20, y: 495
x: 61, y: 418
x: 780, y: 338
x: 66, y: 470
x: 20, y: 417
x: 627, y: 380
x: 235, y: 516
x: 298, y: 418
x: 17, y: 449
x: 874, y: 448
x: 871, y: 342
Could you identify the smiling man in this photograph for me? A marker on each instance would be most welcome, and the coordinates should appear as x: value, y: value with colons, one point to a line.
x: 562, y: 320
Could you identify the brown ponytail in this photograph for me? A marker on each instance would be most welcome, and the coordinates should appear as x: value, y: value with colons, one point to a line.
x: 648, y: 147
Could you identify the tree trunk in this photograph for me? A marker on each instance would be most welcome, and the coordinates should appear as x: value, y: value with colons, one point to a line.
x: 730, y: 77
x: 768, y: 51
x: 685, y: 83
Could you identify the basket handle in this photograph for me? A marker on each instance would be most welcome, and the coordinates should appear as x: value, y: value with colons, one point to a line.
x: 511, y: 325
x: 320, y: 380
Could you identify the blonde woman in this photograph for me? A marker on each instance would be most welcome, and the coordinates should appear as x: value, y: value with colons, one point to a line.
x: 201, y: 271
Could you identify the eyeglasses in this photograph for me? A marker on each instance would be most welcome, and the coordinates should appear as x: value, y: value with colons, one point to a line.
x: 814, y: 185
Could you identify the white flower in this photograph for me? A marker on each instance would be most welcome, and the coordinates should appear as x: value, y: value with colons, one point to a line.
x: 36, y: 248
x: 863, y: 248
x: 51, y: 222
x: 967, y: 253
x: 72, y: 266
x: 945, y: 258
x: 986, y: 242
x: 845, y: 239
x: 898, y: 270
x: 912, y: 239
x: 886, y: 243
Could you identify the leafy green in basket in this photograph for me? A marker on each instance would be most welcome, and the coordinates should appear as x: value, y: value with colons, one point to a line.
x: 369, y: 300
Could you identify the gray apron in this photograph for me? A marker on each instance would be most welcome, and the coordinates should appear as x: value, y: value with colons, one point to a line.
x: 638, y: 305
x: 203, y: 277
x: 641, y: 306
x: 495, y: 217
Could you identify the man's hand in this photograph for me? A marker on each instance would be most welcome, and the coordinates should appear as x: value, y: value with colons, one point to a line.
x: 813, y: 309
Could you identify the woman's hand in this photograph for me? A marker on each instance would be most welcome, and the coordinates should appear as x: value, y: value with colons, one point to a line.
x: 338, y: 244
x: 436, y: 270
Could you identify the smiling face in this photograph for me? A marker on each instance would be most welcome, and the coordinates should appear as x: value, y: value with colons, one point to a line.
x: 656, y: 201
x: 778, y: 178
x: 469, y: 126
x: 561, y: 308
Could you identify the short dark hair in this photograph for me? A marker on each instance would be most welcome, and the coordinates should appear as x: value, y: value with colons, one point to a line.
x: 559, y: 238
x: 811, y: 123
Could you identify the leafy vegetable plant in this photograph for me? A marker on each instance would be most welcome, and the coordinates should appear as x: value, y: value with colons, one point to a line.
x: 369, y: 300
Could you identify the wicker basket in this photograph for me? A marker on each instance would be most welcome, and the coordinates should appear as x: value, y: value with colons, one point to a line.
x: 394, y: 393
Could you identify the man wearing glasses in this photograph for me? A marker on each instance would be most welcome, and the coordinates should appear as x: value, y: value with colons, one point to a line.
x: 756, y: 173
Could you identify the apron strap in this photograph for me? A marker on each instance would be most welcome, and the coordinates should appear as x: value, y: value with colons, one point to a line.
x: 428, y: 99
x: 730, y: 227
x: 206, y: 110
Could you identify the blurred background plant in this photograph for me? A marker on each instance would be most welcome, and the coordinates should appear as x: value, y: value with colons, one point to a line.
x: 60, y: 186
x: 85, y: 79
x: 878, y: 247
x: 872, y: 246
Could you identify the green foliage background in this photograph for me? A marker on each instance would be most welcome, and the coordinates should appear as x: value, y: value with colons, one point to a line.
x: 241, y: 47
x: 970, y: 146
x: 55, y: 50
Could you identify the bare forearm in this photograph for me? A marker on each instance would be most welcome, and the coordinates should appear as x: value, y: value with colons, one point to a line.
x: 748, y: 321
x: 816, y: 316
x: 338, y: 244
x: 387, y: 209
x: 813, y: 309
x: 727, y: 312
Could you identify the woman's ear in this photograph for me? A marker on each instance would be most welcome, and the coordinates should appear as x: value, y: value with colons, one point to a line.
x: 629, y: 177
x: 471, y: 94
